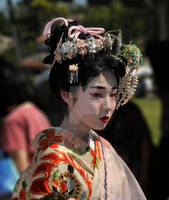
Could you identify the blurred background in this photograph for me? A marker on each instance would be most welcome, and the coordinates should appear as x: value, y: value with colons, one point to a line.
x: 143, y: 22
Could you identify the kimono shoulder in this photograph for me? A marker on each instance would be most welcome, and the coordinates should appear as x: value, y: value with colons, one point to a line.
x: 58, y: 166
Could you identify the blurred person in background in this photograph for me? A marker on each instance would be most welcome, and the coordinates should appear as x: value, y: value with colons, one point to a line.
x: 22, y: 118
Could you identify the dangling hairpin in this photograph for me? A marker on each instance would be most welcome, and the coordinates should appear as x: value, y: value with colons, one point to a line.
x: 128, y: 83
x: 73, y: 74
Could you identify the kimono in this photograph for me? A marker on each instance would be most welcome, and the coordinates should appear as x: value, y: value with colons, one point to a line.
x: 77, y: 169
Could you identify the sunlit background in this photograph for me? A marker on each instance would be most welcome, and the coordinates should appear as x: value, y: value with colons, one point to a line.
x: 142, y: 22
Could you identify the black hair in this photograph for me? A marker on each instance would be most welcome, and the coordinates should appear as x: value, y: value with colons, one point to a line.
x: 15, y: 86
x: 56, y: 33
x: 89, y: 65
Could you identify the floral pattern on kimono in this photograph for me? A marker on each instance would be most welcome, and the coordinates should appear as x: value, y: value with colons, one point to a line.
x: 62, y: 163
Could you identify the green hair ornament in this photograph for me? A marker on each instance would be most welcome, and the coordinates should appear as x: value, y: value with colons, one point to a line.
x: 128, y: 83
x: 132, y: 54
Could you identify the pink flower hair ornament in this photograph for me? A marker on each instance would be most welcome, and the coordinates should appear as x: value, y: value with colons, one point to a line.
x: 73, y: 45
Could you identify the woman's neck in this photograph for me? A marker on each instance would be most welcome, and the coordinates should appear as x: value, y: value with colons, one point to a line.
x: 77, y: 129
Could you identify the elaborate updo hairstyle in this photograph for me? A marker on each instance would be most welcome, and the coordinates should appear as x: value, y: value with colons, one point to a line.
x: 78, y: 54
x: 89, y: 65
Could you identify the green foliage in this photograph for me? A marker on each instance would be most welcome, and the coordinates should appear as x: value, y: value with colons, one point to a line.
x: 9, y: 54
x: 151, y: 109
x: 49, y: 8
x: 5, y: 24
x: 32, y: 15
x: 106, y: 16
x: 42, y: 4
x: 116, y: 16
x: 134, y: 24
x: 98, y: 16
x: 31, y: 18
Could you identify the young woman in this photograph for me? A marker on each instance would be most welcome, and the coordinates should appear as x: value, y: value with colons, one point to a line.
x: 93, y: 76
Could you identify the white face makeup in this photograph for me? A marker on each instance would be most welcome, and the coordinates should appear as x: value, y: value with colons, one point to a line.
x: 95, y: 106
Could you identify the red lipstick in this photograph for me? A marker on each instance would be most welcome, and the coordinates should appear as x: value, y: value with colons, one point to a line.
x: 104, y: 119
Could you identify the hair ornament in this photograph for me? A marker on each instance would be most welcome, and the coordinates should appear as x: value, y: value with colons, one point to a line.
x: 128, y: 83
x: 77, y: 30
x: 76, y: 46
x: 74, y: 43
x: 73, y: 74
x: 132, y: 54
x: 47, y: 29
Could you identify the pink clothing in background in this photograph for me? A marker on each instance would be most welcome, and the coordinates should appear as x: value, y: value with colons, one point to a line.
x: 20, y: 127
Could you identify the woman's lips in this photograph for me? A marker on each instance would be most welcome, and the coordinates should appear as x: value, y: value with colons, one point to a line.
x: 104, y: 119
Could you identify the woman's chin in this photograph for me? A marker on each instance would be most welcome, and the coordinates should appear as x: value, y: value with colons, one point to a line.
x: 99, y: 127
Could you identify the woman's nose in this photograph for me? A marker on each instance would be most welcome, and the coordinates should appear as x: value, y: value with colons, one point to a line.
x: 107, y: 104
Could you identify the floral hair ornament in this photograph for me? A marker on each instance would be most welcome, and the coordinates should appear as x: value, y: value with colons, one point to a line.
x: 98, y: 40
x: 128, y: 83
x: 74, y: 45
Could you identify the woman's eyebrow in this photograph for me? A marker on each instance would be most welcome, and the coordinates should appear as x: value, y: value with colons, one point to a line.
x: 102, y: 87
x: 98, y: 87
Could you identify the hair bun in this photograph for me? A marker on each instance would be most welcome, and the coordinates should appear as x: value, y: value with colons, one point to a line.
x: 49, y: 59
x: 48, y: 42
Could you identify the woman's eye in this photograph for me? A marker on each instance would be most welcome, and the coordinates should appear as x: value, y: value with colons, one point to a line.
x: 96, y: 95
x: 113, y: 94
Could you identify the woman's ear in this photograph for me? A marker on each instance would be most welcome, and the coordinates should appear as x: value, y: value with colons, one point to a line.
x: 66, y: 96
